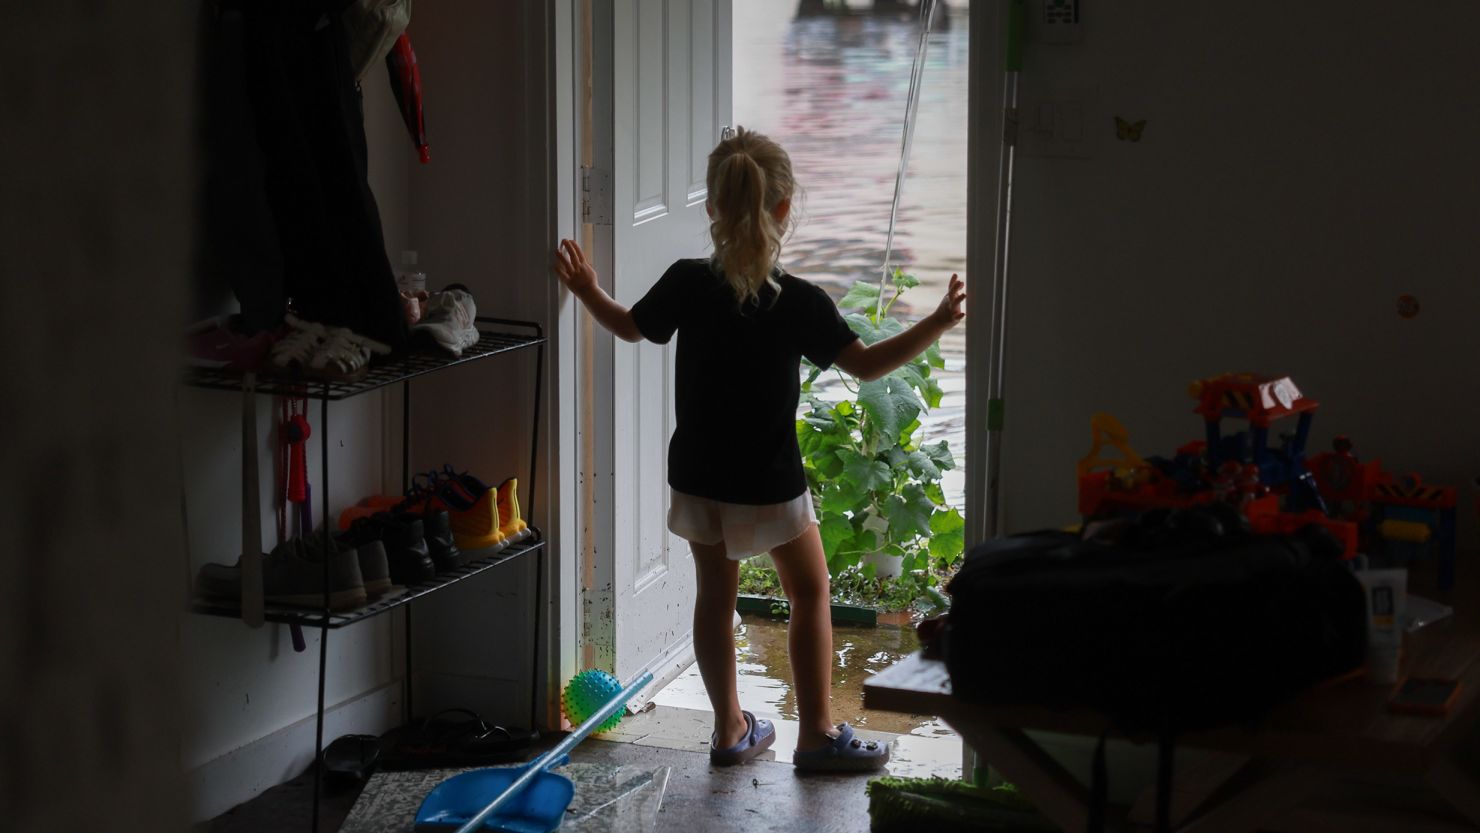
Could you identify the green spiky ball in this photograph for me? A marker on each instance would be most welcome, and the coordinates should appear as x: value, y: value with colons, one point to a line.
x: 586, y: 693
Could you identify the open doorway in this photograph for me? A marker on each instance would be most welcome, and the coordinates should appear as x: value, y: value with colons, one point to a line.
x: 829, y: 82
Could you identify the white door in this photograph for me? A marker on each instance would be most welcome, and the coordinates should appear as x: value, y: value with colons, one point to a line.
x: 660, y: 99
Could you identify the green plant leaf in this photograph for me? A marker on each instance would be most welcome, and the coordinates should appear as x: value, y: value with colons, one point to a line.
x: 932, y: 393
x: 935, y: 493
x: 907, y: 434
x: 813, y: 372
x: 834, y: 530
x: 947, y: 536
x: 840, y: 495
x: 909, y: 511
x: 933, y: 356
x: 921, y: 466
x: 890, y: 404
x: 827, y: 464
x: 940, y: 454
x: 869, y: 332
x: 911, y: 376
x: 904, y: 280
x: 864, y: 472
x: 842, y: 561
x: 862, y: 295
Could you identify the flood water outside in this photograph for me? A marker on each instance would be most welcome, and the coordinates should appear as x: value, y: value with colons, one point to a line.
x: 832, y: 90
x: 765, y: 676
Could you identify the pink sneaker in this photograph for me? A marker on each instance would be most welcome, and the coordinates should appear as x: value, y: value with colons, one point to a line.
x: 213, y: 344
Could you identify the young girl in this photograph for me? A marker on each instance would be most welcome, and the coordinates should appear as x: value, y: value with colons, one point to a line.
x: 736, y: 475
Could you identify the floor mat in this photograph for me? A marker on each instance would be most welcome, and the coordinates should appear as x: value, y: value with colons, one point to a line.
x: 609, y: 798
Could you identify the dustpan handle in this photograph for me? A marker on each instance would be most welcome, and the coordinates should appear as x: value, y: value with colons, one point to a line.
x: 540, y: 764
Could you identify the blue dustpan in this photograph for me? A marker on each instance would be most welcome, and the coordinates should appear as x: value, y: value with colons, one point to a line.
x: 537, y: 808
x: 520, y: 799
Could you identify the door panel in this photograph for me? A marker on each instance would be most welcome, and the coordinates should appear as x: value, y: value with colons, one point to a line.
x: 669, y: 99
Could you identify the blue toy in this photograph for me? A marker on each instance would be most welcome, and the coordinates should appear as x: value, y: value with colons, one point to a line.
x: 586, y: 693
x: 522, y: 799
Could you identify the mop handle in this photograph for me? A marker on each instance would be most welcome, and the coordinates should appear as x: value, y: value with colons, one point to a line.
x: 548, y: 759
x: 911, y: 107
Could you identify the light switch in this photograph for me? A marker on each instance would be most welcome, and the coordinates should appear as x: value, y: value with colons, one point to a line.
x: 1071, y: 121
x: 1045, y: 121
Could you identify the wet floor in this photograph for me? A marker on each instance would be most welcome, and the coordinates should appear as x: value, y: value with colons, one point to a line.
x: 832, y: 91
x: 765, y: 676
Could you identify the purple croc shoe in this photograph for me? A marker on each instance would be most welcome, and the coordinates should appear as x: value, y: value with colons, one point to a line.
x: 760, y: 737
x: 845, y: 754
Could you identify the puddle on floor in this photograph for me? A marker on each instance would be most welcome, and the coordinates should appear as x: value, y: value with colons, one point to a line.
x: 765, y: 676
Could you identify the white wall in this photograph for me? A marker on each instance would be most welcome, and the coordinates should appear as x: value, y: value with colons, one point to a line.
x: 249, y: 700
x: 1303, y: 165
x: 480, y: 215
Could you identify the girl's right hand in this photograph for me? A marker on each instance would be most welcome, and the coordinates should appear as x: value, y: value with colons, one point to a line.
x: 572, y: 268
x: 949, y: 313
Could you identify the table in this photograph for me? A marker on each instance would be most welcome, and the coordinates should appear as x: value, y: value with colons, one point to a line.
x: 1260, y: 779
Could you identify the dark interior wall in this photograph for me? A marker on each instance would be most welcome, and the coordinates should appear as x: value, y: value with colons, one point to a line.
x: 480, y: 215
x: 249, y: 699
x: 1302, y: 166
x: 96, y: 167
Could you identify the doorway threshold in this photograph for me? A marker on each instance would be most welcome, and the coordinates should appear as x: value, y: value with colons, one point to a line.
x: 687, y: 730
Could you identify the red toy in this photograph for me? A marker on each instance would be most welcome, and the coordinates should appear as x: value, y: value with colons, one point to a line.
x: 1272, y: 485
x: 1400, y: 518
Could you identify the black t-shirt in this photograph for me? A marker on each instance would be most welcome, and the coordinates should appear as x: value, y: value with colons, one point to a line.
x: 737, y: 382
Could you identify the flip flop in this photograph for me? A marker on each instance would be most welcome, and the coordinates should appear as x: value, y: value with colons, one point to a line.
x: 846, y: 753
x: 760, y: 737
x: 352, y: 757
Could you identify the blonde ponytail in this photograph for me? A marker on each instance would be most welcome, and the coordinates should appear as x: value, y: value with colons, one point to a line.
x: 748, y: 176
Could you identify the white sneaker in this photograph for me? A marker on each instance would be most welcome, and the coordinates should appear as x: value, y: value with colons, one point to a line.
x: 449, y: 320
x: 296, y: 349
x: 343, y: 354
x: 324, y: 352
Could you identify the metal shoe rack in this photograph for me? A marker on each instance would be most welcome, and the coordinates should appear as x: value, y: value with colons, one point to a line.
x: 494, y: 339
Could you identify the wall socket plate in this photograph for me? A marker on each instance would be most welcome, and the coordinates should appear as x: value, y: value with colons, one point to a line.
x: 1064, y: 123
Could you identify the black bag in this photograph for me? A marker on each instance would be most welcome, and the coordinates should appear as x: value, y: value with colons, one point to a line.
x: 1186, y: 622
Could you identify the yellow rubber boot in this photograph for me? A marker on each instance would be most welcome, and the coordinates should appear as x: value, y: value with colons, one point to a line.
x: 478, y: 528
x: 514, y: 528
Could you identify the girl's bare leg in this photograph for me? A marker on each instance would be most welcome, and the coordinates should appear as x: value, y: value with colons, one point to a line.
x: 802, y: 567
x: 714, y: 638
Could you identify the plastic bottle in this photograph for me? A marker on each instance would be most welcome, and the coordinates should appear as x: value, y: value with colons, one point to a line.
x: 410, y: 279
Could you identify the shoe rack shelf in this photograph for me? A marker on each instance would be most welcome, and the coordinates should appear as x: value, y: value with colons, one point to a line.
x: 490, y: 343
x: 307, y: 617
x: 496, y: 336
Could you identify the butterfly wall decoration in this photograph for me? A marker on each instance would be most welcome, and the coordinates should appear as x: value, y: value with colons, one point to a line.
x: 1127, y: 131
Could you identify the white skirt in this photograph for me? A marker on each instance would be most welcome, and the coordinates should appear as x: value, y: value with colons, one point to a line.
x: 745, y: 530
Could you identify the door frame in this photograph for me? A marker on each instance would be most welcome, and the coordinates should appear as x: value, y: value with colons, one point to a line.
x: 573, y: 384
x: 564, y: 92
x: 985, y: 205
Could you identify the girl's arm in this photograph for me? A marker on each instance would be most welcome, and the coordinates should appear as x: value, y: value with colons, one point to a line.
x: 579, y: 276
x: 884, y: 357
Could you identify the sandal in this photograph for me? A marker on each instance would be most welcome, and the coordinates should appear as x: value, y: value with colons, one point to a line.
x: 760, y: 737
x: 846, y: 753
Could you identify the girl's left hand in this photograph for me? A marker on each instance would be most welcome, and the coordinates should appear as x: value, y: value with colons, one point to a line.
x: 949, y: 313
x: 572, y: 268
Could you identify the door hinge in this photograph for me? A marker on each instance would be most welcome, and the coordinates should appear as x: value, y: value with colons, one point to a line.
x: 1010, y: 126
x: 596, y: 196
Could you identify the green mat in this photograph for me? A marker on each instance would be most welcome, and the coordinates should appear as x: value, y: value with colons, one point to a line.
x: 943, y: 806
